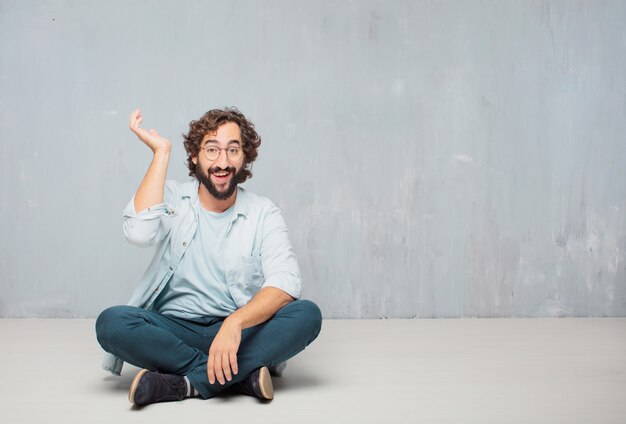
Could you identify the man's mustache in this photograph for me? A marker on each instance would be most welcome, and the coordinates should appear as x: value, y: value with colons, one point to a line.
x: 218, y: 169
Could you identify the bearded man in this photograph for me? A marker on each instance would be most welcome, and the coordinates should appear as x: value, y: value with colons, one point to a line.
x: 219, y: 306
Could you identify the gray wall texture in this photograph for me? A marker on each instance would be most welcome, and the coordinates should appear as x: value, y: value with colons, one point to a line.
x: 431, y: 158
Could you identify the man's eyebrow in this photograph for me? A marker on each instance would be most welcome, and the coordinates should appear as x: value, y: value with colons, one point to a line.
x: 217, y: 142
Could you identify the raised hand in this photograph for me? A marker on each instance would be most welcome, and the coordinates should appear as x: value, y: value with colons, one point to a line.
x: 151, y: 138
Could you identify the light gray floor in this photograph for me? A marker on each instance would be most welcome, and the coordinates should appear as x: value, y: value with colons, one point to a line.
x: 370, y: 371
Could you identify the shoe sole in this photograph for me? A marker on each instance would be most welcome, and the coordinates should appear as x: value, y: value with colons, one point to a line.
x: 265, y: 383
x: 134, y: 384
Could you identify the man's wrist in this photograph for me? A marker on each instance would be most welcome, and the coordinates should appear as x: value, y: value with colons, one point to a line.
x: 163, y: 152
x: 234, y: 321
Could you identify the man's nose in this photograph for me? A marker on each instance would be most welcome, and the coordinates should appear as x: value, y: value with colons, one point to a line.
x: 222, y: 159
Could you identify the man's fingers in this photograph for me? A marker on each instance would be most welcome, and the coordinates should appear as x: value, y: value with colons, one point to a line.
x: 135, y: 116
x: 219, y: 374
x: 226, y: 367
x: 209, y: 368
x: 233, y: 363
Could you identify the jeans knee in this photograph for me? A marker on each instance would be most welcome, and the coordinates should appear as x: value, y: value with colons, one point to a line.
x: 108, y: 325
x: 312, y: 315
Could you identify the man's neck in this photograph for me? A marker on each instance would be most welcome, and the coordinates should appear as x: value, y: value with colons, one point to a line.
x: 212, y: 204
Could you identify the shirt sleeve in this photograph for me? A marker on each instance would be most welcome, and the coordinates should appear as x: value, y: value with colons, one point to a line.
x: 279, y: 263
x: 146, y: 228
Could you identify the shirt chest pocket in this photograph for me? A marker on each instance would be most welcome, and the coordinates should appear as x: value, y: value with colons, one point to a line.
x: 251, y: 271
x: 248, y: 279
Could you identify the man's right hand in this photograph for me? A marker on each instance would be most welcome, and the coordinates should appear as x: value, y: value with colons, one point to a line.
x: 151, y: 138
x: 150, y: 191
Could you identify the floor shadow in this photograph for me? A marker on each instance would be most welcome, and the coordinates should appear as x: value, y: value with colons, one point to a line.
x: 296, y: 381
x: 287, y: 382
x: 119, y: 383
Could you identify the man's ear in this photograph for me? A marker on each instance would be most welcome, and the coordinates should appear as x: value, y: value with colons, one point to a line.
x: 194, y: 159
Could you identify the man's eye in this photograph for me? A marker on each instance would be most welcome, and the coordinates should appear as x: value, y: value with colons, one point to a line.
x: 233, y: 150
x: 212, y: 150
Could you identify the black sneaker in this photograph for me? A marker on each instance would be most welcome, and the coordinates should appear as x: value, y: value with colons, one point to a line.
x: 258, y: 384
x: 151, y: 387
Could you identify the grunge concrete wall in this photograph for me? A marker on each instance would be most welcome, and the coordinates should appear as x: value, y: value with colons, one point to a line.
x: 431, y: 158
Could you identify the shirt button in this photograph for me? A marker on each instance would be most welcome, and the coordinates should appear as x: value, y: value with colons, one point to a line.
x: 184, y: 243
x: 171, y: 269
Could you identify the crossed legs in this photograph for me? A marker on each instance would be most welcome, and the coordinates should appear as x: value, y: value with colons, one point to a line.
x: 170, y: 345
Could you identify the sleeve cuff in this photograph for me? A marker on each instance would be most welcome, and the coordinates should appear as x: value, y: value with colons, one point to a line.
x: 152, y: 212
x: 287, y: 282
x: 112, y: 363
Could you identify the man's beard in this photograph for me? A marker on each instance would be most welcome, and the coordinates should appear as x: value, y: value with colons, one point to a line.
x: 205, y: 179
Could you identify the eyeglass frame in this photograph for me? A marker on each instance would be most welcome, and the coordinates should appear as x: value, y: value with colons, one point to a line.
x: 213, y: 146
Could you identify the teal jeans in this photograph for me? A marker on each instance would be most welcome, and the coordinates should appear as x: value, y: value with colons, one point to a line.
x: 171, y: 345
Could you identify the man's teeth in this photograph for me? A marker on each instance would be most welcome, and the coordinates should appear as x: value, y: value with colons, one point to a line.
x: 221, y: 174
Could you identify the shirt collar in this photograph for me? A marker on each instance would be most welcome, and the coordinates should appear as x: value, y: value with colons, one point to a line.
x: 241, y: 206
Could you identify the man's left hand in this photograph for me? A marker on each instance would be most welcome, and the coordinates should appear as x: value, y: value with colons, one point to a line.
x: 222, y: 363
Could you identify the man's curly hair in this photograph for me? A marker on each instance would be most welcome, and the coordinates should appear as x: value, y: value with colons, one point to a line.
x: 209, y: 122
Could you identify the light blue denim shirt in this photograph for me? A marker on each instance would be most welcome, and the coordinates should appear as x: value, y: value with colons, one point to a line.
x: 257, y: 252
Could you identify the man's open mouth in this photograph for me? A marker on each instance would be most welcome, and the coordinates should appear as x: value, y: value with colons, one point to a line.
x: 221, y: 176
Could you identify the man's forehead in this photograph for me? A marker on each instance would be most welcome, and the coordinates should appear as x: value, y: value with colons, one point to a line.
x: 232, y: 135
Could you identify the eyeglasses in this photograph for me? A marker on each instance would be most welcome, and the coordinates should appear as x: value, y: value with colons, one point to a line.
x: 233, y: 153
